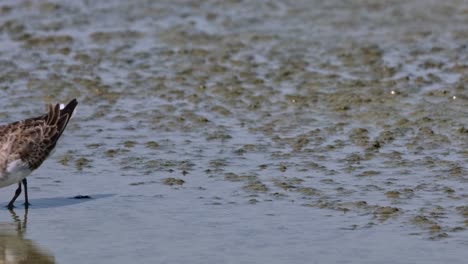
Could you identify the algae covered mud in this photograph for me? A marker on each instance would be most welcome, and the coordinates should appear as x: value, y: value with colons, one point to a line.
x: 242, y: 131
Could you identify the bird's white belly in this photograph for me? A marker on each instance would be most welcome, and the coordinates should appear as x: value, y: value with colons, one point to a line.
x: 15, y: 172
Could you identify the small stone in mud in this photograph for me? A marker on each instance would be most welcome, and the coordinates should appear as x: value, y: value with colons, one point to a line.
x: 246, y: 148
x: 113, y: 152
x: 435, y: 228
x: 386, y: 212
x: 462, y: 130
x: 106, y: 37
x: 82, y: 197
x: 255, y: 186
x: 300, y: 143
x: 463, y: 210
x: 82, y: 162
x: 327, y: 181
x: 65, y: 159
x: 253, y: 201
x: 221, y: 110
x: 49, y: 7
x: 278, y: 195
x: 218, y: 135
x: 343, y: 209
x: 202, y: 120
x: 284, y: 185
x: 129, y: 144
x: 449, y: 190
x: 295, y: 180
x: 218, y: 163
x: 393, y: 194
x: 136, y: 183
x: 376, y: 144
x: 230, y: 176
x: 361, y: 204
x: 94, y: 145
x: 309, y: 191
x: 173, y: 181
x: 141, y: 183
x: 422, y: 220
x: 369, y: 173
x: 359, y: 136
x: 439, y: 236
x: 282, y: 168
x: 55, y: 40
x: 152, y: 145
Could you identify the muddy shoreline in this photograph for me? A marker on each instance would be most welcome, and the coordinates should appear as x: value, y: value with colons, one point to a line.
x: 355, y: 111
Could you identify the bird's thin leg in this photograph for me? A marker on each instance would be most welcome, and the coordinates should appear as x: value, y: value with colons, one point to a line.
x: 17, y: 193
x: 26, y: 201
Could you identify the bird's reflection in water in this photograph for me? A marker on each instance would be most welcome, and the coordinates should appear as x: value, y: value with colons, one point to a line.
x: 15, y: 249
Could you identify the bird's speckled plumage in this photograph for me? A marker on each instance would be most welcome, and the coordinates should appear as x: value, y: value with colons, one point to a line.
x: 25, y: 144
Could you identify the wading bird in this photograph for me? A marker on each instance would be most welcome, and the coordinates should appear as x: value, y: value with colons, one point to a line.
x: 25, y: 144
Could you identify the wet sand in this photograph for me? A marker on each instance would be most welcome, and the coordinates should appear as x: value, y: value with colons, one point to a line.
x: 244, y: 131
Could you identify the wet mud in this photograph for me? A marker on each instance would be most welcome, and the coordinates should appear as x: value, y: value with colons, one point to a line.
x: 353, y: 110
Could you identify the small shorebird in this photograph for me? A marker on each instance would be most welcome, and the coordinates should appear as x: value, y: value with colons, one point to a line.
x: 25, y: 144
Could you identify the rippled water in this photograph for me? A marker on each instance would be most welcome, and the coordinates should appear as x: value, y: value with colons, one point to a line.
x: 242, y: 131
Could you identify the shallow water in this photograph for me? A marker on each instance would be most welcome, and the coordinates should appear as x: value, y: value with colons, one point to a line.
x: 242, y: 131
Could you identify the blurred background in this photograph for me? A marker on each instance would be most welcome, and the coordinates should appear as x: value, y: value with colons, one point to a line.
x: 240, y: 131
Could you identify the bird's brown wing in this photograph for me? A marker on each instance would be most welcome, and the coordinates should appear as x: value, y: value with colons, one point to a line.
x: 33, y: 139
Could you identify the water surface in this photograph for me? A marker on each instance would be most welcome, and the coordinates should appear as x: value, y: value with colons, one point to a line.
x: 242, y: 131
